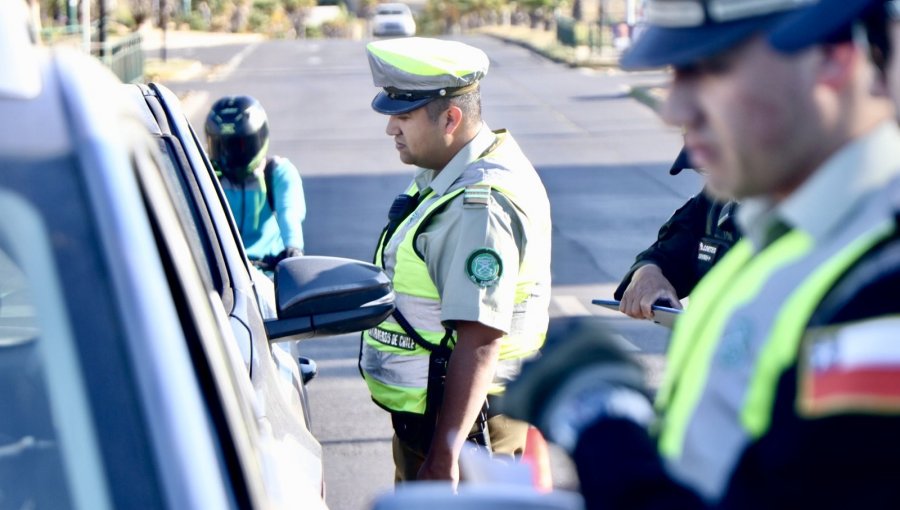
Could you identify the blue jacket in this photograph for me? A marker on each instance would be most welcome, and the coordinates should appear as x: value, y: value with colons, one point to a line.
x: 263, y: 231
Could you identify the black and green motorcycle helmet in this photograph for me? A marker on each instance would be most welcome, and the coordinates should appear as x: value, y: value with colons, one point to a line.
x: 237, y: 135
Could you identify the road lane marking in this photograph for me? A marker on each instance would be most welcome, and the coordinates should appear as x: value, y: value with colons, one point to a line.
x: 225, y: 70
x: 570, y: 306
x: 192, y: 103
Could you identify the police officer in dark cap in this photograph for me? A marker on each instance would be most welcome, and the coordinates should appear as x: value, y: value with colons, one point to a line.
x: 782, y: 384
x: 697, y: 235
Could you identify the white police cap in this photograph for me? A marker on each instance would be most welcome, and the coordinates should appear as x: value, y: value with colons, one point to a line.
x: 415, y: 70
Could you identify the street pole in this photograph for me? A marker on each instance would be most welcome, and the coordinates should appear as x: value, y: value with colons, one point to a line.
x: 86, y: 27
x: 101, y: 29
x: 71, y: 16
x: 163, y: 21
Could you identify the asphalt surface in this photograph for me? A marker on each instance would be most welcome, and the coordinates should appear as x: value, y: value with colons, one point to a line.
x: 602, y: 156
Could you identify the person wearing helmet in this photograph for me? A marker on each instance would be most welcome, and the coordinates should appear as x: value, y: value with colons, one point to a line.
x: 265, y: 193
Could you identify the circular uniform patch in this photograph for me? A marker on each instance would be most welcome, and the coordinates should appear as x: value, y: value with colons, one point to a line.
x: 484, y: 267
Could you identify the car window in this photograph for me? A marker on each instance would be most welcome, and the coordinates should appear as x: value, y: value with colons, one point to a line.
x: 188, y: 212
x: 219, y: 367
x: 189, y: 200
x: 49, y: 455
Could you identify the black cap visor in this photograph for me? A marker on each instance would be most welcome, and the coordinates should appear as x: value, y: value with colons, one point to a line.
x: 384, y: 103
x: 667, y: 46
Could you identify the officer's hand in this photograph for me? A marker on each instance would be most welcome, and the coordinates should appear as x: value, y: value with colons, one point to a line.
x: 289, y: 252
x: 439, y: 467
x: 648, y: 285
x: 584, y: 375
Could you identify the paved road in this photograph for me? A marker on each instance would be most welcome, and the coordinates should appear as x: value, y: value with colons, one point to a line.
x: 602, y: 156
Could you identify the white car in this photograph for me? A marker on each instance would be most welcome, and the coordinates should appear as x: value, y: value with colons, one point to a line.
x: 393, y: 20
x: 137, y: 368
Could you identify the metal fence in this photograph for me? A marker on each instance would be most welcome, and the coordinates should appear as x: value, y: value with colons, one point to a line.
x: 579, y: 33
x: 123, y: 55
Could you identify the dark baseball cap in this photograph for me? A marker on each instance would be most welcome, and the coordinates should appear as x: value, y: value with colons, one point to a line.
x: 822, y: 22
x: 681, y: 32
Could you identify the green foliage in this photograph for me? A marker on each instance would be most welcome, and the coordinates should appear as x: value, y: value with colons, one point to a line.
x: 314, y: 32
x: 264, y: 7
x: 443, y: 16
x: 195, y: 21
x: 292, y: 6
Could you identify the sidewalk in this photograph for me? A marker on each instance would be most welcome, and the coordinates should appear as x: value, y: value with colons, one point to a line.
x: 544, y: 43
x: 180, y: 69
x: 178, y: 39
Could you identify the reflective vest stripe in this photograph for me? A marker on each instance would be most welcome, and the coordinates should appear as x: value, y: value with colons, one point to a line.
x: 421, y: 313
x: 411, y: 371
x: 395, y: 398
x: 396, y: 370
x: 738, y: 282
x: 781, y: 350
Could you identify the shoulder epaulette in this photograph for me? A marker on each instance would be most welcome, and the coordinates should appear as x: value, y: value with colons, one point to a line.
x: 477, y: 195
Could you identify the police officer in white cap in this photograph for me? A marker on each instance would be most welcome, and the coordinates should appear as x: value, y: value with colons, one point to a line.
x: 468, y: 249
x: 782, y: 388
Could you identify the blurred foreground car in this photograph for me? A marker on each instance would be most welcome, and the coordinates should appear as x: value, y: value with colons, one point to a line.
x: 476, y: 496
x: 392, y: 20
x: 135, y: 363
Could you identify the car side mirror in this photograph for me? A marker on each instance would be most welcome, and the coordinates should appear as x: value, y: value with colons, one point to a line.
x: 320, y: 296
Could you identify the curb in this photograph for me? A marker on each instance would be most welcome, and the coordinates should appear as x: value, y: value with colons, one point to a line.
x: 528, y: 46
x: 651, y: 96
x: 173, y: 70
x: 544, y: 52
x: 642, y: 94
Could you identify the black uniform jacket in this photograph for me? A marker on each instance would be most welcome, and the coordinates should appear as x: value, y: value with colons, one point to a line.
x: 846, y: 459
x: 689, y: 243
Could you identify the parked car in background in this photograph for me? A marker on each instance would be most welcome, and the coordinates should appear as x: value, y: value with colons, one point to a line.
x: 393, y: 19
x: 136, y: 367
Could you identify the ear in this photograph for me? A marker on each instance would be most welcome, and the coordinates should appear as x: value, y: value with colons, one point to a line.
x: 453, y: 118
x: 838, y: 65
x: 879, y: 86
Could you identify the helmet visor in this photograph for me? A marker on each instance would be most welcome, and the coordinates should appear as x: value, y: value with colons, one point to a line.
x: 238, y: 155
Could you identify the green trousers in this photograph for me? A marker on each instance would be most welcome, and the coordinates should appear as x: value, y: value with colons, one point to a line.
x: 507, y: 439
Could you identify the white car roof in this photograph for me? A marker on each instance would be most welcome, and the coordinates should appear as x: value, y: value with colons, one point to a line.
x: 21, y: 75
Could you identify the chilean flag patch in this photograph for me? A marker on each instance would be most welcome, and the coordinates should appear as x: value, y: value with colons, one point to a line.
x: 853, y: 368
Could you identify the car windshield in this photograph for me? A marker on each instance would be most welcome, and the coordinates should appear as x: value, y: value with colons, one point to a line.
x: 45, y: 436
x: 391, y: 10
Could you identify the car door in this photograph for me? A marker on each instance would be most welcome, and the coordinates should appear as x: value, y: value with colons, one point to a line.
x: 274, y: 375
x: 109, y: 400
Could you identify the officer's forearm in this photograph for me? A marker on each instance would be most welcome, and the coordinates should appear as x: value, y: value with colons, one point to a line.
x: 469, y: 376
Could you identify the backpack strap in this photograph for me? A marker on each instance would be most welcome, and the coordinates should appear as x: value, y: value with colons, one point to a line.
x: 271, y: 163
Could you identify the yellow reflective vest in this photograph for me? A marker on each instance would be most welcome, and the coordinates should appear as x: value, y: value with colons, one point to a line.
x: 741, y: 332
x: 393, y: 365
